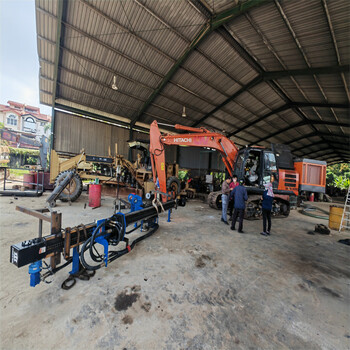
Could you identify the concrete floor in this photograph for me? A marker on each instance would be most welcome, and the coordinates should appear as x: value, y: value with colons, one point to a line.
x: 194, y: 284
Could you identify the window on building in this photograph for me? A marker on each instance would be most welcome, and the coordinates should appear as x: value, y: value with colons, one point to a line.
x: 12, y: 120
x: 29, y: 125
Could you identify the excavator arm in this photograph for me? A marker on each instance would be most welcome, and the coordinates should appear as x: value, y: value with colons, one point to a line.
x: 198, y: 137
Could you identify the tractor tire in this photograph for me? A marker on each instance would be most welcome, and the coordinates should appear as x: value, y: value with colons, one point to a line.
x: 73, y: 191
x: 214, y: 200
x: 173, y: 184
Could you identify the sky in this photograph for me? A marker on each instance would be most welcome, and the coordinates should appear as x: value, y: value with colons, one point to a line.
x: 19, y: 61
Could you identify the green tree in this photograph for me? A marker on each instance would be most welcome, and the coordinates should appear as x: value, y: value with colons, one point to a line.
x: 338, y: 175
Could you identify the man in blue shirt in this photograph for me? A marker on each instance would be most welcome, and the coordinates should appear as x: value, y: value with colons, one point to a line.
x: 240, y: 195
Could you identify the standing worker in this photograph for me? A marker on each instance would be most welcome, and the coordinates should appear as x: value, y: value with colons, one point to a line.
x: 267, y: 206
x: 231, y: 202
x: 225, y: 188
x: 240, y: 195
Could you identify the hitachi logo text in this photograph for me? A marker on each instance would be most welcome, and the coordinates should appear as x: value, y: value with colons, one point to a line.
x: 182, y: 139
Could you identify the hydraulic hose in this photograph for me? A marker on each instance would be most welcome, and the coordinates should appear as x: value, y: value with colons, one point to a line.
x: 308, y: 208
x: 89, y: 245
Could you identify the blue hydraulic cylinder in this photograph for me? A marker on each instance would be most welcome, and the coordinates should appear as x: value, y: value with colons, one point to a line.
x: 75, y: 262
x: 34, y: 271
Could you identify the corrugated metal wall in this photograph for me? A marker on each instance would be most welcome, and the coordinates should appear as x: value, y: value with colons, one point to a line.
x: 198, y: 158
x: 193, y: 158
x: 216, y: 161
x: 72, y: 133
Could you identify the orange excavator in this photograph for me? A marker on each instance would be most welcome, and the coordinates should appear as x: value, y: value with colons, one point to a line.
x: 254, y: 165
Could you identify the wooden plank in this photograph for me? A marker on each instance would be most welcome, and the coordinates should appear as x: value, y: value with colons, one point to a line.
x: 34, y: 213
x: 56, y: 222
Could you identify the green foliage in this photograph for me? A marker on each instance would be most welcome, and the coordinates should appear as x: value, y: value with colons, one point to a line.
x: 24, y: 151
x: 2, y: 125
x: 18, y: 172
x: 338, y: 175
x: 47, y: 127
x: 31, y: 160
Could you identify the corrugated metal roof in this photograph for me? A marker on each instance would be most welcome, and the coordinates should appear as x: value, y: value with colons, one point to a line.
x: 270, y: 73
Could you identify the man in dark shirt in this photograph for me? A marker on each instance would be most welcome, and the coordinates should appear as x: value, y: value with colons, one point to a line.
x: 240, y: 196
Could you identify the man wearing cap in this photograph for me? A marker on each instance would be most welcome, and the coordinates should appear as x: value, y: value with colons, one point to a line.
x: 240, y: 195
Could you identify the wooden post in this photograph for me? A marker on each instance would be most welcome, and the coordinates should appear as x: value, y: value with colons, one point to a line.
x: 56, y: 224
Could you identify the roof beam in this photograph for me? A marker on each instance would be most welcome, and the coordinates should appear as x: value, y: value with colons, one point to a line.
x: 208, y: 28
x: 80, y: 112
x: 297, y: 125
x: 275, y: 111
x: 268, y: 76
x: 334, y: 41
x: 61, y: 12
x: 318, y: 134
x: 307, y: 71
x: 319, y: 143
x: 59, y: 38
x: 320, y: 105
x: 151, y: 46
x: 289, y: 106
x: 253, y: 83
x: 325, y: 154
x: 123, y: 76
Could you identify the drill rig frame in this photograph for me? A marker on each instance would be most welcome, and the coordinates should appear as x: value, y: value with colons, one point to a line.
x: 76, y: 244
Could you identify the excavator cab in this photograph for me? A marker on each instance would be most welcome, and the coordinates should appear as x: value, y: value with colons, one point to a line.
x: 250, y: 166
x: 255, y: 165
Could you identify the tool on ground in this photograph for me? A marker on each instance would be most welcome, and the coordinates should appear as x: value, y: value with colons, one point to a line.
x: 87, y: 247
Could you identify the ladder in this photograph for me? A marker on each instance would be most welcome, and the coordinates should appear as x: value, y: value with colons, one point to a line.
x: 345, y: 220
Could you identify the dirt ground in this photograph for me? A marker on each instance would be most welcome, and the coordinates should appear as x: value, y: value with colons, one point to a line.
x: 194, y: 284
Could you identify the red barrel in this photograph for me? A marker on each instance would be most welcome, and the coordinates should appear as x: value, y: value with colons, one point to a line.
x: 28, y: 180
x: 94, y: 196
x: 312, y: 197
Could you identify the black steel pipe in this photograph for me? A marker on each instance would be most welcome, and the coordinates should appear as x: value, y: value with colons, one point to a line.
x: 147, y: 212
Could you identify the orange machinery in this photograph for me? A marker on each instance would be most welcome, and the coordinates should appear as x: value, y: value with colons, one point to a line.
x: 291, y: 176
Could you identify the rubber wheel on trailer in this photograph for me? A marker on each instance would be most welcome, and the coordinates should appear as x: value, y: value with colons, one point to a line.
x: 285, y: 209
x: 173, y: 184
x: 73, y: 190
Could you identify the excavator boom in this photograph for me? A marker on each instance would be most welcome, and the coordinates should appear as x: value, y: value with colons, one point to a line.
x: 199, y: 137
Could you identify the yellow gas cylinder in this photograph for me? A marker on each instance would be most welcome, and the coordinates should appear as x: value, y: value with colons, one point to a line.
x: 335, y: 216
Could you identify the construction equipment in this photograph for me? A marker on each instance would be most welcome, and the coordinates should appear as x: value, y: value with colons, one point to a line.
x: 254, y: 165
x: 87, y: 247
x: 345, y: 220
x: 108, y: 170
